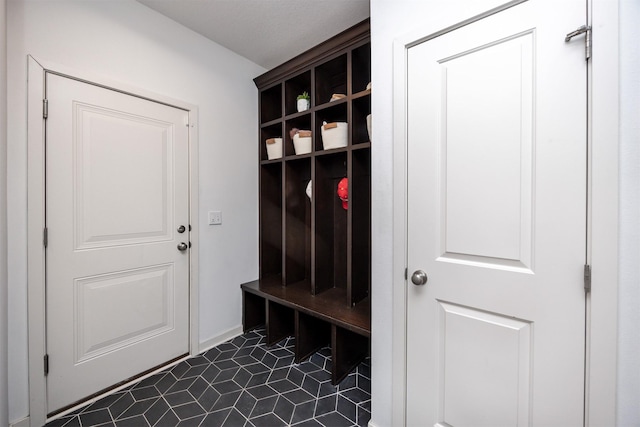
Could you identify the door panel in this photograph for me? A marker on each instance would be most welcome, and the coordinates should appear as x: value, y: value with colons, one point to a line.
x: 484, y: 368
x: 496, y: 218
x: 143, y: 299
x: 117, y: 285
x: 110, y: 210
x: 486, y: 137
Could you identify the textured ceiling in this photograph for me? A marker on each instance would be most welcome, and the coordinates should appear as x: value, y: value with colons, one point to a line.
x: 267, y: 32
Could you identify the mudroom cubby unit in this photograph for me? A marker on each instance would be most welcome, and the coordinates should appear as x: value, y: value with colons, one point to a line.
x: 315, y: 203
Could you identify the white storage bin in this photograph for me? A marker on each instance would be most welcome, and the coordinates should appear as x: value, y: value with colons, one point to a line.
x: 302, y: 142
x: 334, y: 135
x: 274, y: 148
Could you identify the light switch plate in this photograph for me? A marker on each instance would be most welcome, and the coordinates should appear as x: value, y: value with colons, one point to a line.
x: 215, y: 217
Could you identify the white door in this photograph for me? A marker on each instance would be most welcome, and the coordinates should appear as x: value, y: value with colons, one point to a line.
x: 117, y: 191
x: 496, y: 220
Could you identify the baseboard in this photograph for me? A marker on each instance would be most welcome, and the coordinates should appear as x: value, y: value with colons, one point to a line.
x: 371, y: 424
x: 25, y: 422
x: 219, y: 339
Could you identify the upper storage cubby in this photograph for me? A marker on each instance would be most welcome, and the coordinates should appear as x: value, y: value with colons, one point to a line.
x: 361, y: 67
x: 271, y: 104
x: 331, y: 80
x: 295, y: 87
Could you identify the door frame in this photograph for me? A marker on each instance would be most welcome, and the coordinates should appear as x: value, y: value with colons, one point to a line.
x: 602, y: 301
x: 36, y: 71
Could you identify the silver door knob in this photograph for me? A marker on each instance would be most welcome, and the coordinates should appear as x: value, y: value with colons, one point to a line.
x: 182, y: 246
x: 419, y: 278
x: 181, y: 229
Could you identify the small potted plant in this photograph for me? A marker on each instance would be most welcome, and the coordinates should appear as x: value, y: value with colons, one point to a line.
x: 304, y: 101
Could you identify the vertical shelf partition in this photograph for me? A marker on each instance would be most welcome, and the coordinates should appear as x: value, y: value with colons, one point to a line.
x: 315, y: 252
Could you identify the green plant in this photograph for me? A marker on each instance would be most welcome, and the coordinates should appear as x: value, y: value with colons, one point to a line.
x: 304, y: 95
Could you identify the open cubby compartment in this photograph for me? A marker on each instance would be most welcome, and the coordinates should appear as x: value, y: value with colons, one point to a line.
x: 253, y: 311
x: 272, y: 131
x: 280, y: 322
x: 271, y: 103
x: 360, y: 218
x: 270, y: 220
x: 348, y: 349
x: 331, y: 78
x: 361, y: 67
x: 294, y: 87
x: 312, y: 334
x: 330, y: 224
x: 333, y: 113
x: 302, y: 123
x: 360, y: 110
x: 297, y: 233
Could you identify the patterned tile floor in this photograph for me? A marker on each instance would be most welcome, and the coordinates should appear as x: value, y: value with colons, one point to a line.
x: 240, y: 383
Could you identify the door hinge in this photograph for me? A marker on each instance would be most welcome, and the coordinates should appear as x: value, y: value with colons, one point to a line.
x: 46, y: 364
x: 587, y: 278
x: 45, y: 108
x: 586, y: 30
x: 45, y: 237
x: 406, y: 273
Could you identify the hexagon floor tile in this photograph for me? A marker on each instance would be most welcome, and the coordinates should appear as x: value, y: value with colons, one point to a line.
x: 240, y: 383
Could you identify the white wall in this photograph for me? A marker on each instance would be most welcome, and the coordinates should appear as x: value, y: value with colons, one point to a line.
x: 4, y: 394
x: 127, y: 42
x: 629, y: 288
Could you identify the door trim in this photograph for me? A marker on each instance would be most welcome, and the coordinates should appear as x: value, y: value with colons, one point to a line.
x: 602, y: 305
x: 36, y: 70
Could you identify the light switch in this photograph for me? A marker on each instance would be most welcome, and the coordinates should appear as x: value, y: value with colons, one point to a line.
x: 215, y: 217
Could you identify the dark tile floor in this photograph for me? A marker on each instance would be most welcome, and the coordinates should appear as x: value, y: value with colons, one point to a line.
x: 240, y: 383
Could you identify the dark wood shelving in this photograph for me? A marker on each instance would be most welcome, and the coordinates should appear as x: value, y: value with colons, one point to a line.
x: 327, y: 306
x: 315, y: 253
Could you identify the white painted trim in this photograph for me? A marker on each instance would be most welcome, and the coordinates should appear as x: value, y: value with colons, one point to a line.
x: 25, y: 422
x: 603, y: 301
x: 399, y: 323
x: 36, y: 217
x: 35, y: 251
x: 603, y: 308
x: 219, y: 339
x: 194, y: 218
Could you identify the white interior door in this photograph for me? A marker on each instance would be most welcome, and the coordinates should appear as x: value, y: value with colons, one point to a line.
x: 496, y: 220
x: 117, y: 285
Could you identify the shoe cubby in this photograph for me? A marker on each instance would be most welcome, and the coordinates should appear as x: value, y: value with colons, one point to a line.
x: 315, y: 252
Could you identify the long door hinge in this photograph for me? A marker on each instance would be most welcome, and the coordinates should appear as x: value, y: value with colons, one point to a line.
x: 45, y: 237
x: 587, y: 278
x: 586, y: 30
x: 45, y: 108
x: 46, y: 364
